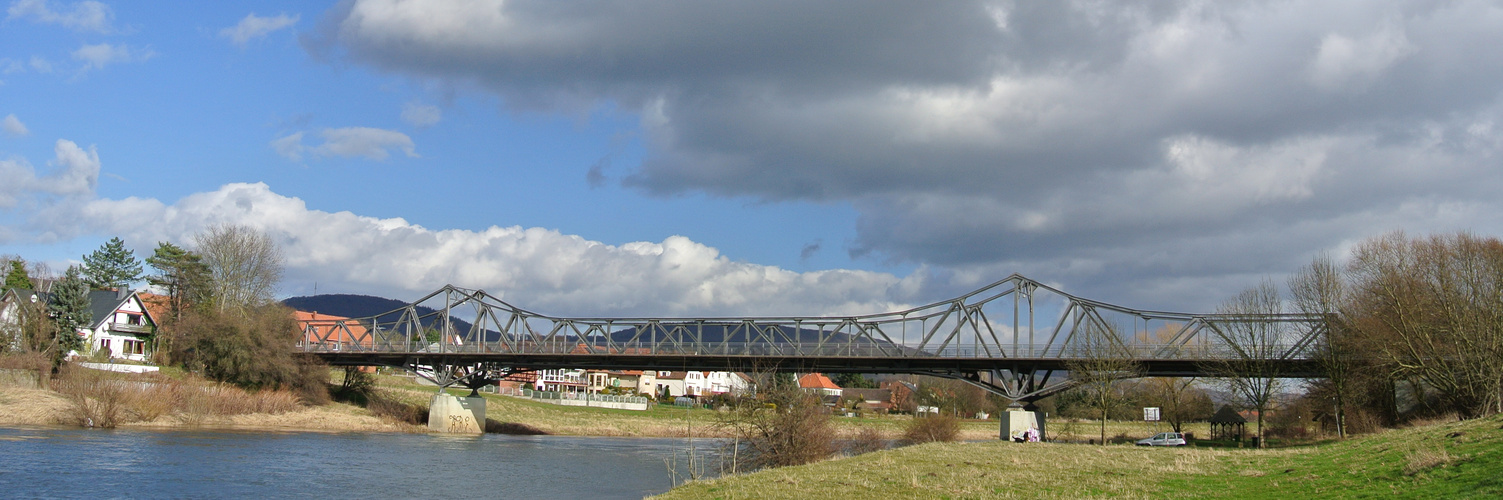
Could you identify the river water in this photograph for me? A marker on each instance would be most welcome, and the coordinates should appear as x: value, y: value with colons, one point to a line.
x: 81, y: 463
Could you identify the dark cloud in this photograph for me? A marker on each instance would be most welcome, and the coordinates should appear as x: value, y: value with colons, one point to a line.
x: 1191, y: 144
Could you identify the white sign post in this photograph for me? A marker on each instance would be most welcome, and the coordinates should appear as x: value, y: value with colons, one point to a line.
x: 1151, y: 414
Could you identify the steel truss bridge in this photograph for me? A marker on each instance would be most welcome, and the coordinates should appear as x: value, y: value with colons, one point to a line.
x: 1017, y: 338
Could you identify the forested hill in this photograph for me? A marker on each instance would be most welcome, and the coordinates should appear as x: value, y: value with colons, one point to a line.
x: 361, y: 306
x: 347, y: 305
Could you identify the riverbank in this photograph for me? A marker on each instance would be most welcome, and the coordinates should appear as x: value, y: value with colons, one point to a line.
x: 1446, y: 460
x: 38, y: 407
x: 22, y: 404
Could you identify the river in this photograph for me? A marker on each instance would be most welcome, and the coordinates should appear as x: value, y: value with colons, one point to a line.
x: 81, y: 463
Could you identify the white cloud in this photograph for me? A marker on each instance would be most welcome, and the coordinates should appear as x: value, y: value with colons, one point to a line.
x: 368, y: 142
x: 421, y: 115
x: 41, y: 64
x: 541, y: 269
x: 13, y: 126
x: 75, y: 173
x: 290, y: 146
x: 12, y: 66
x: 253, y: 27
x: 82, y: 16
x: 98, y: 55
x: 372, y: 143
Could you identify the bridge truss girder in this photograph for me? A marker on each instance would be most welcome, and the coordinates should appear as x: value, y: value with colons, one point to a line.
x: 1013, y: 338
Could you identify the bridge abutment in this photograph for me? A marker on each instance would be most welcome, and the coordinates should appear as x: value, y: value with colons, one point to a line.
x: 456, y: 414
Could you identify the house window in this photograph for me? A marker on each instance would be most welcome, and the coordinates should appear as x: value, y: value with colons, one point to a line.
x: 133, y: 319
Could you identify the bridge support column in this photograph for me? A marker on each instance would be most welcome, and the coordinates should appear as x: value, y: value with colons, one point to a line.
x: 456, y: 414
x: 1016, y: 421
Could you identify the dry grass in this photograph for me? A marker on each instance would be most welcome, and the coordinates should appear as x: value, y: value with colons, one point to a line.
x: 941, y: 428
x: 103, y: 399
x: 20, y: 406
x: 1422, y: 460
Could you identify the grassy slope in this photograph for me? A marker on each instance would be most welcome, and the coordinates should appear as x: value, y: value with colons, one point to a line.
x: 1365, y: 467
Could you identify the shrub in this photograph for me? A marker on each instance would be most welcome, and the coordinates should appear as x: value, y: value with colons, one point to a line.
x: 384, y: 405
x: 96, y: 399
x: 944, y: 428
x: 783, y: 426
x: 867, y: 440
x: 252, y: 349
x: 357, y: 386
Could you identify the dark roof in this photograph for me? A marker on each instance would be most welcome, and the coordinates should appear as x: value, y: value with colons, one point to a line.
x: 870, y: 394
x: 102, y: 303
x: 1226, y: 415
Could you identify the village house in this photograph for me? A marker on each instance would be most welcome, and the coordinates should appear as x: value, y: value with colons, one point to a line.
x: 636, y: 381
x: 332, y: 333
x: 904, y: 395
x: 818, y: 383
x: 870, y: 400
x: 120, y: 324
x: 560, y: 381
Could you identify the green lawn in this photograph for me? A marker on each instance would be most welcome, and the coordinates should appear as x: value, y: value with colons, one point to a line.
x: 1452, y: 460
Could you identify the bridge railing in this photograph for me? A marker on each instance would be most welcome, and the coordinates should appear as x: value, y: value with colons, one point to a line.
x: 1139, y: 351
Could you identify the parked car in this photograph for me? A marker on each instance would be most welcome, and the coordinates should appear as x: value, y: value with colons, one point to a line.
x: 1164, y: 439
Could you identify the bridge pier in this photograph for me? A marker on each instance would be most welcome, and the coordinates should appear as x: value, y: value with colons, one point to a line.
x: 456, y: 414
x: 1018, y: 419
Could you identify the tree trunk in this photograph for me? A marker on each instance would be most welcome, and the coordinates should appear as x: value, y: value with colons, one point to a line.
x: 1260, y: 429
x: 1103, y: 427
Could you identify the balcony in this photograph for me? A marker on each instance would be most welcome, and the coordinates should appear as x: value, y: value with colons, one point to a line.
x: 129, y: 328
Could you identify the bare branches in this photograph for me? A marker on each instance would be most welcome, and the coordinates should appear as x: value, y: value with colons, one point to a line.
x: 1254, y: 373
x: 1432, y: 309
x: 245, y: 265
x: 1101, y: 362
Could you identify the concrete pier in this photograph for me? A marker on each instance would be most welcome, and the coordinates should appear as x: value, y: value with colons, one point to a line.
x: 455, y: 414
x: 1016, y: 421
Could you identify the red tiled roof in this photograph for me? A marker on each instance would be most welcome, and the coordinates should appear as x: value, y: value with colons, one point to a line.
x: 816, y: 381
x: 326, y: 329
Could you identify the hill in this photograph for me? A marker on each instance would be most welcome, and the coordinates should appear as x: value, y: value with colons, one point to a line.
x: 361, y: 306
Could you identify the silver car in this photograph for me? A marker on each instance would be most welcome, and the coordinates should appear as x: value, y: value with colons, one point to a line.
x: 1164, y: 439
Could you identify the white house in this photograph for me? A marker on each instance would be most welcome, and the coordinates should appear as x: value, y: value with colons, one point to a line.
x: 119, y: 325
x: 701, y: 384
x: 560, y: 381
x: 728, y: 383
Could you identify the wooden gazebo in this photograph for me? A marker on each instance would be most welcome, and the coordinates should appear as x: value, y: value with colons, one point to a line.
x: 1227, y: 424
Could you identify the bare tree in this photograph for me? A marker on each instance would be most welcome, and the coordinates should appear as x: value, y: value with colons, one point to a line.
x: 245, y: 265
x: 1318, y: 289
x: 1249, y: 364
x: 1181, y: 399
x: 1432, y: 309
x: 1099, y: 361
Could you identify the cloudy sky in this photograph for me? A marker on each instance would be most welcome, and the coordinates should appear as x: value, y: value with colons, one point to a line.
x: 758, y: 158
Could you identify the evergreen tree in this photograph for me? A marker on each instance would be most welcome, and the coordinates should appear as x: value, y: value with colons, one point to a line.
x: 853, y: 381
x: 181, y: 273
x: 17, y: 277
x: 112, y: 265
x: 69, y: 308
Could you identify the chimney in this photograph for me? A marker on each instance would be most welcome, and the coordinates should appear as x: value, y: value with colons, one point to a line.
x: 121, y: 292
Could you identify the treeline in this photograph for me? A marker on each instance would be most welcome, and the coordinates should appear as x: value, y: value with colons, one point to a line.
x: 1416, y: 327
x: 220, y: 318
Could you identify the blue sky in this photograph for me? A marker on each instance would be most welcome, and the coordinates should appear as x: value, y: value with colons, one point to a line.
x: 753, y: 158
x: 200, y: 111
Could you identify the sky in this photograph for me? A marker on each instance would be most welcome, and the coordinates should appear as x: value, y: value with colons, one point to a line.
x: 761, y: 158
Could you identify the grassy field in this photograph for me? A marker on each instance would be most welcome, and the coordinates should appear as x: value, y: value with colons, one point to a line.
x: 1450, y: 460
